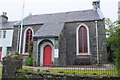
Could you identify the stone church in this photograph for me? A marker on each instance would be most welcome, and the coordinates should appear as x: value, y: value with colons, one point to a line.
x: 67, y: 38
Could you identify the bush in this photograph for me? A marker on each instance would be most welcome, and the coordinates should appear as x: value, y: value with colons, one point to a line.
x: 114, y: 42
x: 28, y: 61
x: 13, y: 55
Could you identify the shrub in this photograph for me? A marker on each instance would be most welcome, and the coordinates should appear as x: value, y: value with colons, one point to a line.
x: 13, y: 55
x: 28, y: 61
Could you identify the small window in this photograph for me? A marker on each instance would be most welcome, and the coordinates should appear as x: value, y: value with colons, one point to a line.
x: 9, y: 49
x: 0, y: 34
x: 4, y: 34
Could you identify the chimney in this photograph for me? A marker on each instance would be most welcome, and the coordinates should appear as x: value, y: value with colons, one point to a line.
x: 96, y: 4
x: 3, y: 18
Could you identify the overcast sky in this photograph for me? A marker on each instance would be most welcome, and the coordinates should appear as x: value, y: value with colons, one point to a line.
x: 13, y: 8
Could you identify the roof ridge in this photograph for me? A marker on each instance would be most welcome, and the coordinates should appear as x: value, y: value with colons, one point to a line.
x: 62, y: 12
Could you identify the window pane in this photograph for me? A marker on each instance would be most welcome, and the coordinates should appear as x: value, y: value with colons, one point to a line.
x: 82, y: 35
x: 4, y: 34
x: 80, y: 40
x: 85, y: 40
x: 28, y: 39
x: 0, y: 34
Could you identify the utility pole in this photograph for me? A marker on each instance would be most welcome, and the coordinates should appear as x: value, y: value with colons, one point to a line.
x: 97, y: 42
x: 21, y: 28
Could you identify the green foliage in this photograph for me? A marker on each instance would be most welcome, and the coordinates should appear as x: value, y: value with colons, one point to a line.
x: 25, y: 70
x: 13, y: 55
x: 114, y: 42
x: 28, y: 61
x: 30, y: 49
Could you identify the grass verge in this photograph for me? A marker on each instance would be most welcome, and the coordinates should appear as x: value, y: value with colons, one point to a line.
x: 91, y: 72
x: 0, y: 72
x: 73, y: 71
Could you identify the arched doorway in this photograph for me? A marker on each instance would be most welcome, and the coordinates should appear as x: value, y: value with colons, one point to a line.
x: 47, y: 57
x: 45, y: 53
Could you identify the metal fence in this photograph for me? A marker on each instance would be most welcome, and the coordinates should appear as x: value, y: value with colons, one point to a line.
x: 104, y: 70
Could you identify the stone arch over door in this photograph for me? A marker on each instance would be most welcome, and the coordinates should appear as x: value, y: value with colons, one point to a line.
x: 45, y: 53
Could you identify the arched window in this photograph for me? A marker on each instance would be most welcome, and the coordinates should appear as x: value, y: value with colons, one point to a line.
x: 82, y: 35
x: 83, y: 40
x: 28, y: 39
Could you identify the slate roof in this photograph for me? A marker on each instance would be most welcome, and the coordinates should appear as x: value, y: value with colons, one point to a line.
x: 8, y: 25
x: 85, y: 15
x: 50, y: 30
x: 54, y: 23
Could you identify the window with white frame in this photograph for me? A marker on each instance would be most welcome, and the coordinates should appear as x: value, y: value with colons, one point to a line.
x: 4, y: 34
x: 28, y: 39
x: 83, y: 40
x: 82, y: 36
x: 0, y: 34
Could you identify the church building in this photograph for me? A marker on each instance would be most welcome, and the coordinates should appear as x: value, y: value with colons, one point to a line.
x: 67, y: 38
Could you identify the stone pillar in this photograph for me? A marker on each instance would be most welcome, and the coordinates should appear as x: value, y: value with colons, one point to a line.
x: 34, y: 54
x: 10, y: 67
x: 56, y: 53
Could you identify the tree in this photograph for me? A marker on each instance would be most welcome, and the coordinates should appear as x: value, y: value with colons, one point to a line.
x: 114, y: 42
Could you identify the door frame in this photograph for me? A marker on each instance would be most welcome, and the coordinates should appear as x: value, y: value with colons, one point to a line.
x: 42, y: 52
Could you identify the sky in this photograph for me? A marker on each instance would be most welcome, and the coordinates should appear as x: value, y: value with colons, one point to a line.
x: 14, y: 8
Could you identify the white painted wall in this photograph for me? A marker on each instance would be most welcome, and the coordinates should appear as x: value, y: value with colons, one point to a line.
x: 6, y: 42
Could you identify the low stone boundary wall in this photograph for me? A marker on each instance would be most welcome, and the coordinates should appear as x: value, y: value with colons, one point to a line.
x: 60, y: 76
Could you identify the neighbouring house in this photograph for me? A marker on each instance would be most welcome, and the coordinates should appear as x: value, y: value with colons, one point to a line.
x: 67, y: 38
x: 6, y: 35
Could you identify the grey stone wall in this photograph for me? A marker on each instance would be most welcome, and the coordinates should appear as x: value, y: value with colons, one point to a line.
x: 15, y: 39
x: 70, y: 37
x: 62, y: 50
x: 34, y: 50
x: 69, y: 33
x: 62, y: 76
x: 102, y: 48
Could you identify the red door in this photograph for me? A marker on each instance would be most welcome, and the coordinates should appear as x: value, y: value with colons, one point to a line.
x: 47, y: 60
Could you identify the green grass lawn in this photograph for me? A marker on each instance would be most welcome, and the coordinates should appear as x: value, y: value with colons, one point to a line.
x: 92, y: 72
x: 74, y: 71
x: 0, y: 72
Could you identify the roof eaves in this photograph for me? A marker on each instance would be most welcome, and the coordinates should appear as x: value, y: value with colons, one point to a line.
x: 18, y: 22
x: 100, y: 14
